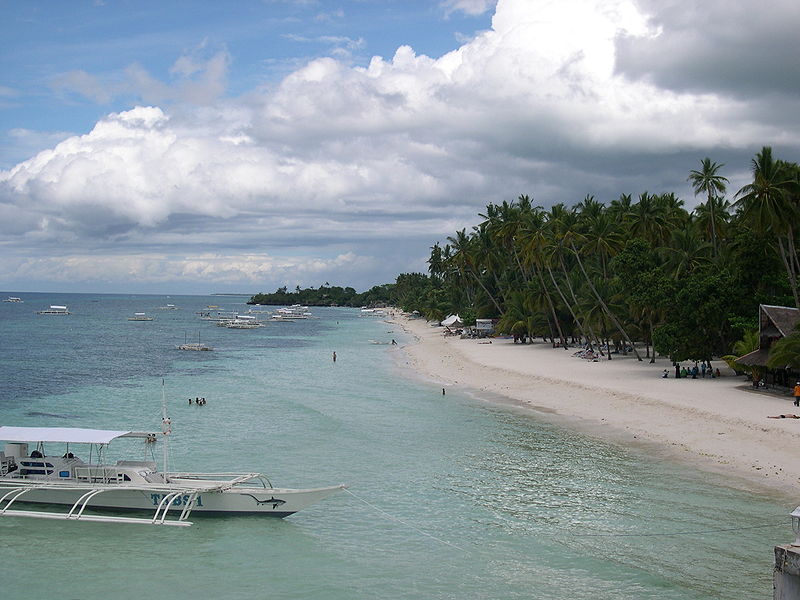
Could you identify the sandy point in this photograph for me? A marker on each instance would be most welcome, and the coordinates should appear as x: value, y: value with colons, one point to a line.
x: 719, y: 425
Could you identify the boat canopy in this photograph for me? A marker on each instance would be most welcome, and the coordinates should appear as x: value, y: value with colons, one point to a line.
x: 65, y: 434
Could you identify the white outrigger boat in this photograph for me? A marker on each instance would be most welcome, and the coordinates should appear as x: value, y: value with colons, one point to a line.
x: 140, y: 316
x: 64, y: 479
x: 54, y: 310
x: 294, y: 312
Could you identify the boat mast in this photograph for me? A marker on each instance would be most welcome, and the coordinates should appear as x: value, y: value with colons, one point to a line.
x: 166, y: 428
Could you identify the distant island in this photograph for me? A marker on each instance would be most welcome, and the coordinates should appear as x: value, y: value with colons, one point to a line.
x: 327, y: 295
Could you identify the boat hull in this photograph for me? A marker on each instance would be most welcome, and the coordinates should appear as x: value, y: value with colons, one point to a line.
x: 273, y: 502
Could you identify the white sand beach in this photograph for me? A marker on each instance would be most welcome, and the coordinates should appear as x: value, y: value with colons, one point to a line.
x: 719, y: 424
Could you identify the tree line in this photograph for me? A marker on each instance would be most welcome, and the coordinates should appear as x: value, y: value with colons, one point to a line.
x: 327, y: 295
x: 683, y: 283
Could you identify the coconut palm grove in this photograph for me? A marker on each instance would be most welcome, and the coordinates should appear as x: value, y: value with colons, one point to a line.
x: 641, y: 275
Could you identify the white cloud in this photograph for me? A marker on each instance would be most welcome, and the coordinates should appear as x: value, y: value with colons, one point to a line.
x: 470, y: 7
x: 204, y: 269
x: 199, y: 77
x: 337, y: 156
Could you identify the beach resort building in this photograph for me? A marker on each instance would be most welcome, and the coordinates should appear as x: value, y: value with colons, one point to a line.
x: 774, y: 323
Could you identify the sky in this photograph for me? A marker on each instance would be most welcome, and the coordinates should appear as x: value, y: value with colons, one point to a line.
x: 191, y: 146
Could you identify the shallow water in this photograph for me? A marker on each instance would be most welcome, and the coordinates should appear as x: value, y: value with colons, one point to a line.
x: 454, y: 497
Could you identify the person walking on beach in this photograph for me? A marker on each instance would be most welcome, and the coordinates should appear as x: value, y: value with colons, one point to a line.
x: 797, y: 394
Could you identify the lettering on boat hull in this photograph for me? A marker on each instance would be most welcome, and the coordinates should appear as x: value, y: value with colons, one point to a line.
x: 179, y: 501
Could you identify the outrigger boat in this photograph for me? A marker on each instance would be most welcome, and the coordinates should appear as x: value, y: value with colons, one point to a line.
x: 41, y: 478
x: 54, y: 310
x: 140, y: 316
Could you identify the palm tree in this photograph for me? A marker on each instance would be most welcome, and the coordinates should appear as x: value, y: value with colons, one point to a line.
x: 465, y: 257
x: 770, y: 203
x: 785, y: 352
x: 712, y: 219
x: 648, y: 219
x: 707, y: 180
x: 601, y: 239
x: 534, y: 241
x: 749, y: 342
x: 685, y: 253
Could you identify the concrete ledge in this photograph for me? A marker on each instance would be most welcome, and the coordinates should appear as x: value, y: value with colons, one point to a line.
x: 786, y: 575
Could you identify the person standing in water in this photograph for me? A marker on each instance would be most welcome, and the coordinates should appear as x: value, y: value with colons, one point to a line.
x: 334, y: 356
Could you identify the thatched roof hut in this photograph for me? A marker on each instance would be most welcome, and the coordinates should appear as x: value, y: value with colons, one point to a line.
x: 774, y: 323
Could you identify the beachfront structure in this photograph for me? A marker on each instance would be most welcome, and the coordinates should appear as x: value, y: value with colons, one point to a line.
x: 774, y: 323
x: 484, y: 327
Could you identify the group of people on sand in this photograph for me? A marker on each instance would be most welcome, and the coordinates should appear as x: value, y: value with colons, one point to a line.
x: 703, y: 370
x: 198, y: 401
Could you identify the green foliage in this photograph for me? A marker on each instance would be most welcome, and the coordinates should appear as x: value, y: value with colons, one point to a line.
x: 468, y: 317
x: 749, y: 343
x: 697, y: 319
x: 326, y: 295
x: 786, y: 352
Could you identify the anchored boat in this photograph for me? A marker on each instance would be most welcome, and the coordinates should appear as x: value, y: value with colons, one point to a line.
x: 54, y: 310
x: 140, y: 316
x: 32, y: 473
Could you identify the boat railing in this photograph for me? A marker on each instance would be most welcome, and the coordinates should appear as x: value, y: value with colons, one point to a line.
x: 224, y: 480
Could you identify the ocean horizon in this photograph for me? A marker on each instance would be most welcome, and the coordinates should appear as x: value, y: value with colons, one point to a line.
x: 450, y: 496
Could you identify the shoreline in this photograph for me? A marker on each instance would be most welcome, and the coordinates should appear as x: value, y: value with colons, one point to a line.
x: 715, y: 425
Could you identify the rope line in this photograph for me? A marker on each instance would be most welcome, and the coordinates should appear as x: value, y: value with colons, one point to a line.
x: 675, y: 533
x: 393, y: 518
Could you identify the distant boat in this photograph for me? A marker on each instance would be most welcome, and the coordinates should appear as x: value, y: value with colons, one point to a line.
x: 140, y: 316
x: 12, y: 299
x: 168, y: 307
x: 243, y: 322
x: 54, y: 310
x: 292, y: 313
x: 196, y: 347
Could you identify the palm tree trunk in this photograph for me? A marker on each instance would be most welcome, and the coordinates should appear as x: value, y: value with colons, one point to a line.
x: 713, y: 224
x: 564, y: 300
x: 788, y: 264
x: 593, y: 340
x: 483, y: 287
x: 552, y: 310
x: 653, y: 359
x: 605, y: 306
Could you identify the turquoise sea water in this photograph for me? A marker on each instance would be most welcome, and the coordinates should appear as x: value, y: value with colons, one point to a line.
x: 466, y: 499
